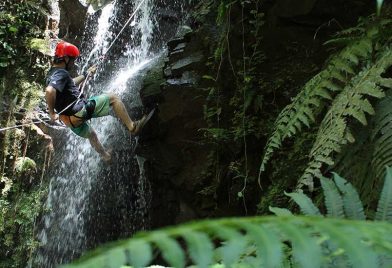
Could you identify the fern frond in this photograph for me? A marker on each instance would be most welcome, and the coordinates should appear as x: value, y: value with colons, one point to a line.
x: 304, y: 238
x: 302, y: 241
x: 305, y: 204
x: 350, y: 244
x: 363, y: 162
x: 319, y: 90
x: 381, y: 137
x: 352, y: 102
x: 200, y: 247
x: 384, y: 208
x: 332, y: 199
x: 236, y: 243
x: 342, y: 40
x: 280, y: 211
x: 170, y: 248
x: 268, y: 245
x: 353, y: 207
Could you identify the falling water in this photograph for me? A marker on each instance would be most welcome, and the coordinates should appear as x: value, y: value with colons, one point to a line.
x: 78, y: 181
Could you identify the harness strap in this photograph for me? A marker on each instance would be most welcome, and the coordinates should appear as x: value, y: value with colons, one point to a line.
x: 89, y: 107
x: 67, y: 120
x: 70, y: 121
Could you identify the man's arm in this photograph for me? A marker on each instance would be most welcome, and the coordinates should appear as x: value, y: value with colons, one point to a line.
x: 79, y: 79
x: 50, y: 95
x: 90, y: 71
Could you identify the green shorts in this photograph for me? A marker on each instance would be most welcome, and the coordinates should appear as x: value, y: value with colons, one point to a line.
x: 102, y: 108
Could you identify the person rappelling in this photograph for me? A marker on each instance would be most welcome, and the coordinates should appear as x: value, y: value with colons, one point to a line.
x: 66, y: 102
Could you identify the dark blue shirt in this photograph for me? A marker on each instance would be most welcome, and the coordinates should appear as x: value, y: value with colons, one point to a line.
x: 66, y: 91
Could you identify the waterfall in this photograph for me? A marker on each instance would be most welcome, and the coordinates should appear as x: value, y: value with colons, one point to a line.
x: 88, y: 198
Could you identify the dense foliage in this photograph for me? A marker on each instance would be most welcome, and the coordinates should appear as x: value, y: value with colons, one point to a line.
x: 345, y: 92
x: 19, y: 22
x: 22, y: 189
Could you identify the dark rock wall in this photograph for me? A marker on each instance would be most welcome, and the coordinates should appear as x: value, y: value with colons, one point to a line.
x: 72, y: 21
x: 293, y: 37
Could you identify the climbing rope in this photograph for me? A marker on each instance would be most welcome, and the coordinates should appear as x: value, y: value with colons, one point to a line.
x: 86, y: 79
x: 103, y: 56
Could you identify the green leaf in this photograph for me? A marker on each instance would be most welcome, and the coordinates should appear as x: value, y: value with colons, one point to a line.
x: 305, y: 203
x: 358, y: 252
x: 115, y: 258
x: 280, y: 211
x: 13, y: 29
x: 384, y: 208
x: 171, y: 251
x: 305, y: 249
x: 333, y: 200
x: 139, y: 253
x: 234, y: 246
x: 269, y: 247
x: 352, y: 203
x: 200, y: 248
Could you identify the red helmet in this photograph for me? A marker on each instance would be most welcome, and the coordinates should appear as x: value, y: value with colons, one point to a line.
x: 66, y: 49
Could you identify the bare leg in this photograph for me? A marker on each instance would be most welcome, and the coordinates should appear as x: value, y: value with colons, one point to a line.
x: 98, y: 146
x: 121, y: 112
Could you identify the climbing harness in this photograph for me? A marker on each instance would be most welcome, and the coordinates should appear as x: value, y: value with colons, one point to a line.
x: 86, y: 79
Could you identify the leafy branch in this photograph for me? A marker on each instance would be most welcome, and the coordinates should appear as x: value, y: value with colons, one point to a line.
x: 253, y: 242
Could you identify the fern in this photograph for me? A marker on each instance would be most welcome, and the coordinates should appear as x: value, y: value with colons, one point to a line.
x: 371, y: 152
x: 302, y: 238
x: 384, y: 208
x: 352, y: 204
x: 352, y: 102
x: 381, y: 137
x: 318, y: 91
x: 346, y: 88
x: 333, y: 199
x: 305, y: 203
x: 342, y: 200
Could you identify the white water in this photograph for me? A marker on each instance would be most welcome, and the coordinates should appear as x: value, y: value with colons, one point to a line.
x: 63, y: 236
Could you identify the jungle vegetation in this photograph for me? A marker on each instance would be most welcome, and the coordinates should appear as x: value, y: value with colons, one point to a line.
x: 348, y: 103
x: 338, y: 120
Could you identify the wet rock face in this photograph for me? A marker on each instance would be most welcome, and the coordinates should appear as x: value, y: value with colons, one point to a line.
x: 72, y: 20
x: 174, y: 154
x: 178, y: 155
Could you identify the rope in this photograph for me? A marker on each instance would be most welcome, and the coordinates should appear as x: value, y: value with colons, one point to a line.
x: 103, y: 56
x: 45, y: 121
x: 126, y: 24
x: 88, y: 75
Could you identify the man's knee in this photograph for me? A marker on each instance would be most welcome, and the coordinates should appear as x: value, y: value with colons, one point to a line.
x: 113, y: 99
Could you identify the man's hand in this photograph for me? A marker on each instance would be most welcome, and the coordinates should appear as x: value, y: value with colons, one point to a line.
x: 92, y: 70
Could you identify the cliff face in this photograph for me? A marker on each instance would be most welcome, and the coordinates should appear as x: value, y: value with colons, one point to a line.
x: 196, y: 166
